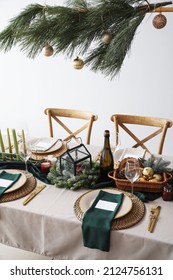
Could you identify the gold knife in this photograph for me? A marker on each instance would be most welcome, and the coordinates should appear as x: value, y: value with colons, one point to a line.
x: 34, y: 193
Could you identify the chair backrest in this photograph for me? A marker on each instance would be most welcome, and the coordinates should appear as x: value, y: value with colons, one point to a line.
x: 58, y: 114
x: 159, y: 125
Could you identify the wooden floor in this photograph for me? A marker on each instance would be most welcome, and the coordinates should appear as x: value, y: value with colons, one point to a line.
x: 10, y: 253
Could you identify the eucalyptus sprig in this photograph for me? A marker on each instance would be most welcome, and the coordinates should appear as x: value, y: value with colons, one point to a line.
x: 62, y: 176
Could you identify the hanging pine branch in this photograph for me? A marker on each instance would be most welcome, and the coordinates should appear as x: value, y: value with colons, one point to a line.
x: 79, y: 28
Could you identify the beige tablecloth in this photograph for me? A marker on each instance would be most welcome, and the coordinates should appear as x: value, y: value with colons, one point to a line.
x: 48, y: 225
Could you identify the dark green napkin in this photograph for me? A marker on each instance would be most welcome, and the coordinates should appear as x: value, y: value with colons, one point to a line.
x: 96, y: 224
x: 146, y: 196
x: 32, y: 168
x: 7, y: 180
x: 102, y: 185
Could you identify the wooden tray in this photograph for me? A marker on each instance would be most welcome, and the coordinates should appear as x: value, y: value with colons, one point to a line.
x: 138, y: 186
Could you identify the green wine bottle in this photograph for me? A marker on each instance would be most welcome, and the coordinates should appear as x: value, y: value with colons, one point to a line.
x: 106, y: 158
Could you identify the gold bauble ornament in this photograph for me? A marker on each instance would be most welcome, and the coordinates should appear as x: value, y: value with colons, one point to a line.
x: 148, y: 173
x: 154, y: 180
x: 78, y: 63
x: 159, y: 21
x: 142, y: 179
x: 106, y: 38
x: 157, y: 177
x: 48, y: 50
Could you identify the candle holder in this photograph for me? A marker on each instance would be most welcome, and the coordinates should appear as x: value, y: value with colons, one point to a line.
x: 45, y: 166
x: 73, y: 159
x: 167, y: 194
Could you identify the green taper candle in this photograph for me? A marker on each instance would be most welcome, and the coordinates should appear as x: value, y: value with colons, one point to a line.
x: 24, y: 141
x: 9, y: 144
x: 2, y: 146
x: 15, y: 144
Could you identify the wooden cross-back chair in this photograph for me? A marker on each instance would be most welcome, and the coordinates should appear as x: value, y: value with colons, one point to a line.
x: 58, y: 113
x: 161, y: 125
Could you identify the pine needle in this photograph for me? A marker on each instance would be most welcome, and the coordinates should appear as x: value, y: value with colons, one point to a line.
x: 78, y: 28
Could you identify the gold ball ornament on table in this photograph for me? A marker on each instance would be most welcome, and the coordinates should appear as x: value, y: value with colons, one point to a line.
x: 48, y: 50
x: 148, y: 173
x: 78, y: 63
x: 156, y: 178
x: 159, y: 21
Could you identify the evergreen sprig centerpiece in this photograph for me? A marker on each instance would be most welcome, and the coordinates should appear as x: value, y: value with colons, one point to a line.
x: 100, y: 30
x: 159, y: 165
x: 62, y: 176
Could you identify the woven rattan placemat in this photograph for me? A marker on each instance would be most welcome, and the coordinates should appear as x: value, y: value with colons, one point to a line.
x: 133, y: 217
x: 57, y: 153
x: 28, y: 187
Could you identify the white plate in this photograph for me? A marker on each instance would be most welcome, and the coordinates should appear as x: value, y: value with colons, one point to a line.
x: 87, y: 199
x: 54, y: 147
x: 20, y: 182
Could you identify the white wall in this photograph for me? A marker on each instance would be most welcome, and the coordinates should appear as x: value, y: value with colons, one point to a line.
x: 143, y: 87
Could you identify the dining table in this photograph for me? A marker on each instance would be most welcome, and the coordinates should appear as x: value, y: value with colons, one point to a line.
x: 51, y: 225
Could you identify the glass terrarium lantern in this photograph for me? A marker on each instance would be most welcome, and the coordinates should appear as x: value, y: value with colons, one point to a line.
x: 74, y: 159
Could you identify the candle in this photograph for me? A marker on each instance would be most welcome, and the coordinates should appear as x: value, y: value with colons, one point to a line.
x: 15, y: 144
x: 9, y: 144
x: 45, y: 166
x: 2, y: 146
x: 24, y: 142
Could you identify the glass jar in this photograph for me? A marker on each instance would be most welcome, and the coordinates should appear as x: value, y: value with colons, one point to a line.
x: 167, y: 194
x: 45, y: 167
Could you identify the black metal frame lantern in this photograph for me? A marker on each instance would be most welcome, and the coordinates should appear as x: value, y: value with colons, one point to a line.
x: 74, y: 157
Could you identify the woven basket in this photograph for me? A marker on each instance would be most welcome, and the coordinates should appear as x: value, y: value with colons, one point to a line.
x: 153, y: 187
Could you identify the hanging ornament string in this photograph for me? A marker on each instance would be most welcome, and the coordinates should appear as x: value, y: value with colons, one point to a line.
x: 153, y: 11
x: 107, y: 35
x: 47, y: 49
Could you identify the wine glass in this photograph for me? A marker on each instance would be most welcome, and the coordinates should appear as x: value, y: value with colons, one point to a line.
x: 115, y: 143
x: 25, y: 152
x: 22, y: 128
x: 132, y: 172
